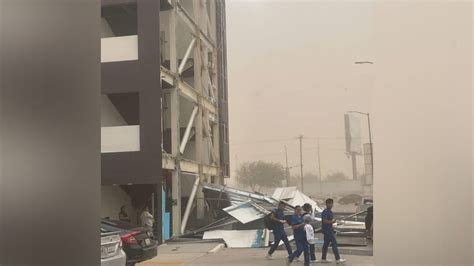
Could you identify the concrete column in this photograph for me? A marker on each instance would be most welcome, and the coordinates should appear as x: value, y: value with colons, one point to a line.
x: 175, y: 129
x: 198, y: 125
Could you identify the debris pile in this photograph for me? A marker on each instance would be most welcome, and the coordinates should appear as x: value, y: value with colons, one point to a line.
x: 239, y: 214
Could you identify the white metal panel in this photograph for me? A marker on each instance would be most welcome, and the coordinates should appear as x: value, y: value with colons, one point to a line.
x: 238, y: 238
x: 294, y: 197
x: 244, y: 212
x: 123, y: 48
x: 284, y: 193
x: 120, y: 139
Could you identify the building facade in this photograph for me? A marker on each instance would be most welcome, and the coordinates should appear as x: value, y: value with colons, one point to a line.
x: 164, y: 108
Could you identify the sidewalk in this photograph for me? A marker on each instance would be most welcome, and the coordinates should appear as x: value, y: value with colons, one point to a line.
x: 256, y: 256
x: 178, y: 254
x: 201, y: 254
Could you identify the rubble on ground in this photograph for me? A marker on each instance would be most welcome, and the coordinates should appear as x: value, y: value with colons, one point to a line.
x: 239, y: 214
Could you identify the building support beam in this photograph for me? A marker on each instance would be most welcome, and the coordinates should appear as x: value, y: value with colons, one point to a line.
x: 186, y: 56
x: 188, y: 130
x: 190, y: 203
x: 187, y: 91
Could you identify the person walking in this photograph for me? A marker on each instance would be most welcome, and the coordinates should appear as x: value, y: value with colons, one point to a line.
x: 309, y: 230
x: 278, y: 218
x: 123, y: 215
x: 299, y: 235
x: 327, y: 218
x: 309, y: 214
x: 146, y: 218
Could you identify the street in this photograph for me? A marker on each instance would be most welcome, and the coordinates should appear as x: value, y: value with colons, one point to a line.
x: 216, y: 254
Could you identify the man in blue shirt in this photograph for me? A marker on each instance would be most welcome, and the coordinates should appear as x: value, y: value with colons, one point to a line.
x: 278, y: 217
x: 328, y: 220
x: 297, y: 222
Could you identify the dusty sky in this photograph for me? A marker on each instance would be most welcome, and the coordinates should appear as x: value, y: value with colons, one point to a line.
x: 291, y: 71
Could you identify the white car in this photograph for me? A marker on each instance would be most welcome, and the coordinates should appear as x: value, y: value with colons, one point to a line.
x: 111, y: 253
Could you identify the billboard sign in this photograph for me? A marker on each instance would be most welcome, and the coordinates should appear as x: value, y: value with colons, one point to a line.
x: 353, y: 138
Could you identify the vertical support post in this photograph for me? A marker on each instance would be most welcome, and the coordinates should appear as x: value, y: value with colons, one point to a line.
x: 176, y: 197
x: 149, y: 58
x: 172, y: 40
x: 198, y: 86
x: 175, y: 128
x: 157, y: 201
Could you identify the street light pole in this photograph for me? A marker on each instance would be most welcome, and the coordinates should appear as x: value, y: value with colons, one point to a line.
x: 371, y: 147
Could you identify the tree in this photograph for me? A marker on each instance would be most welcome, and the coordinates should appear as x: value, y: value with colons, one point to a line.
x: 260, y: 174
x: 337, y: 176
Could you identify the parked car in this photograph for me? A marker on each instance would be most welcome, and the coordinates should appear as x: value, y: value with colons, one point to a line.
x: 111, y: 252
x: 139, y: 243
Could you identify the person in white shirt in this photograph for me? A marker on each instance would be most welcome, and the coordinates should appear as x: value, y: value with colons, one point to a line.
x: 309, y: 215
x: 146, y: 218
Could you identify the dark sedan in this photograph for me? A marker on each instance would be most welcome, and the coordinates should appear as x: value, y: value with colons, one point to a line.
x: 138, y: 242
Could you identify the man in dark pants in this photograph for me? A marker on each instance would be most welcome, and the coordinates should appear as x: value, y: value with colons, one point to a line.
x: 299, y: 234
x: 278, y: 230
x: 368, y: 221
x: 328, y: 220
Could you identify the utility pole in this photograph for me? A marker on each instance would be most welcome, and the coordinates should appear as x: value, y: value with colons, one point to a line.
x: 371, y: 149
x: 287, y: 170
x: 320, y: 176
x: 354, y: 165
x: 301, y: 161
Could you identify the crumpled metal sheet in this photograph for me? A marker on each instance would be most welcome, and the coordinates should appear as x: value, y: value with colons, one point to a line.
x: 245, y: 212
x: 294, y: 197
x: 238, y: 238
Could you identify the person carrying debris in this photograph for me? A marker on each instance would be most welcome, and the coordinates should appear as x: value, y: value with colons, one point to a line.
x: 278, y: 218
x: 300, y: 237
x: 309, y: 215
x: 327, y: 218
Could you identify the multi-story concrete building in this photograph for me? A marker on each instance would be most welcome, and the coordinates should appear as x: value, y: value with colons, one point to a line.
x: 164, y: 108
